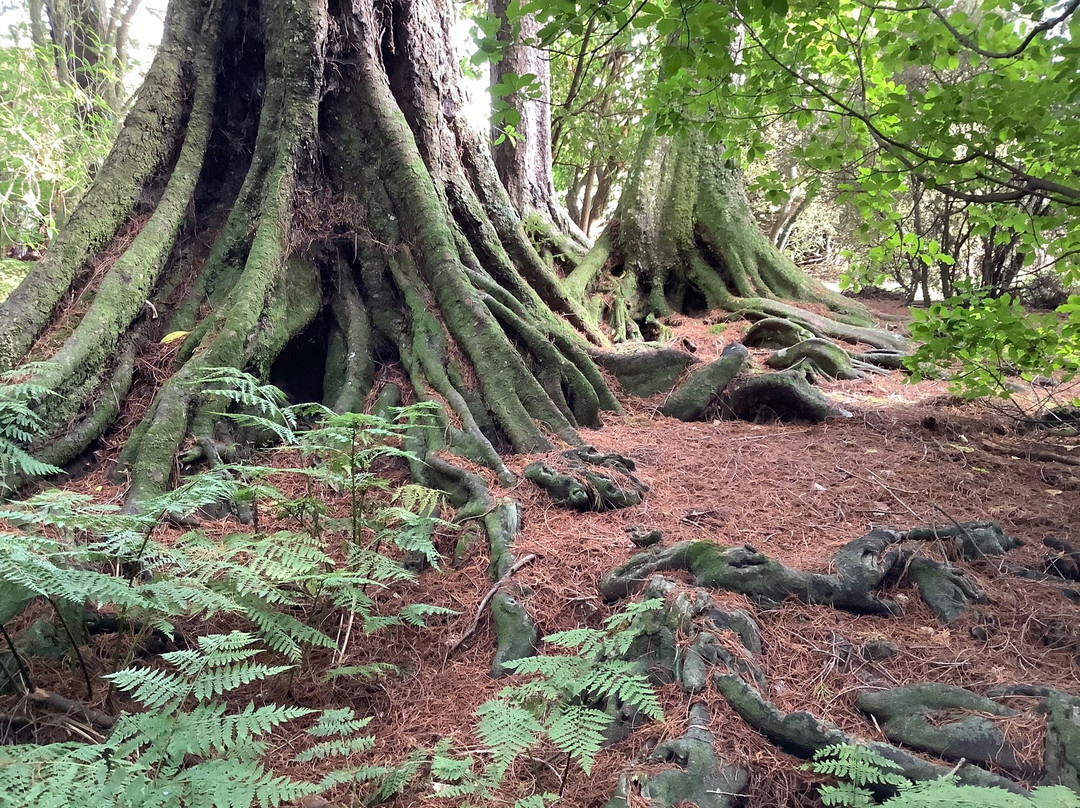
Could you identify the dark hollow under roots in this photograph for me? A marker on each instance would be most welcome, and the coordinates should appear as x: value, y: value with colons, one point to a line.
x: 339, y: 228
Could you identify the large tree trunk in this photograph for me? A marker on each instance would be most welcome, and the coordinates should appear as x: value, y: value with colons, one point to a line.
x: 683, y: 240
x: 294, y: 173
x: 524, y: 161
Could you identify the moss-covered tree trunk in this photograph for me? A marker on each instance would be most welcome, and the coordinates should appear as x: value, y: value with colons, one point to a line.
x: 683, y: 240
x: 295, y: 189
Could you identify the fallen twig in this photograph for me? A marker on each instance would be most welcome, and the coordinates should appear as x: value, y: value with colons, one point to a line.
x: 876, y: 479
x: 1031, y: 453
x: 521, y: 562
x: 61, y: 704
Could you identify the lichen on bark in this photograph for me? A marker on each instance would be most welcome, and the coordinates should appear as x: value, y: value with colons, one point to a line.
x: 303, y: 174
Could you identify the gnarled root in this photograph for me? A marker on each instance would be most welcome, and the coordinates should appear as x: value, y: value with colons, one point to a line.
x: 582, y: 487
x: 862, y: 568
x: 701, y: 778
x: 801, y: 734
x: 904, y: 715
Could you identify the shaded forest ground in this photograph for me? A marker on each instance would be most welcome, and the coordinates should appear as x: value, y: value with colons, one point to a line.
x: 908, y: 455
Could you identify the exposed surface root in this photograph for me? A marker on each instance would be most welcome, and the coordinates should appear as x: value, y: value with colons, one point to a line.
x: 589, y: 480
x: 798, y: 493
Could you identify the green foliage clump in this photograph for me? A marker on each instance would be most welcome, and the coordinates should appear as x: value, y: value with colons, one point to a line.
x: 71, y: 549
x: 12, y: 271
x: 187, y: 749
x: 53, y: 137
x: 863, y: 776
x: 987, y: 339
x: 568, y: 696
x: 568, y: 702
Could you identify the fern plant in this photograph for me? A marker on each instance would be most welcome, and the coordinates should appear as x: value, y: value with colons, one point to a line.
x: 187, y: 749
x: 19, y: 426
x: 860, y: 773
x: 70, y: 550
x: 568, y: 696
x: 567, y: 701
x: 74, y: 551
x: 343, y: 448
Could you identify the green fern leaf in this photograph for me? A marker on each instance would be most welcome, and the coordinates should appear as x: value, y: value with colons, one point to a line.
x: 579, y: 732
x: 507, y: 730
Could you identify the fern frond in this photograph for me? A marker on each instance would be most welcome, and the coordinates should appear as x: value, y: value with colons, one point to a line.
x: 337, y: 722
x: 338, y: 747
x: 282, y: 632
x: 636, y: 689
x: 419, y: 499
x: 19, y: 425
x: 220, y: 680
x: 947, y: 793
x: 450, y: 769
x: 579, y: 732
x: 575, y: 638
x: 353, y: 774
x: 414, y: 613
x: 507, y: 730
x: 397, y: 778
x: 152, y: 688
x: 372, y: 670
x: 634, y: 610
x: 846, y: 795
x: 859, y: 765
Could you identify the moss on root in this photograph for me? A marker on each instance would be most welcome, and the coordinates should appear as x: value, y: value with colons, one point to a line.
x: 357, y: 214
x: 146, y: 145
x: 683, y: 240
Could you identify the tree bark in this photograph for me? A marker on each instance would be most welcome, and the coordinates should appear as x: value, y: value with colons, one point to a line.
x: 296, y: 169
x: 90, y: 39
x: 683, y: 240
x: 524, y: 161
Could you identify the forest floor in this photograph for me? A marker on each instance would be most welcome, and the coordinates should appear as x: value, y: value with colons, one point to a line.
x: 909, y: 455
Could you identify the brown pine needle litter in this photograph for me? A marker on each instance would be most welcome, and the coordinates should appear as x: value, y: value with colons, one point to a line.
x: 909, y: 455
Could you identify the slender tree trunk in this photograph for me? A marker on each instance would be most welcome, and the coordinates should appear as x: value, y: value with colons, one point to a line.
x: 573, y: 206
x: 786, y: 218
x: 683, y: 240
x: 296, y: 170
x: 601, y: 196
x: 524, y: 161
x: 91, y: 44
x: 587, y: 192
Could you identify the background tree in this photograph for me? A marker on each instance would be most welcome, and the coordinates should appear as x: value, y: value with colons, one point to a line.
x: 521, y: 84
x: 683, y: 240
x: 88, y: 40
x: 601, y: 88
x: 53, y: 137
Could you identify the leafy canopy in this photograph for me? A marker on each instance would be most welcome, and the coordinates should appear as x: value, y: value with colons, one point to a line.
x: 980, y: 101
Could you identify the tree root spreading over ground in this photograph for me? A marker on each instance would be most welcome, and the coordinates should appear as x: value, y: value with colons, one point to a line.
x: 796, y: 493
